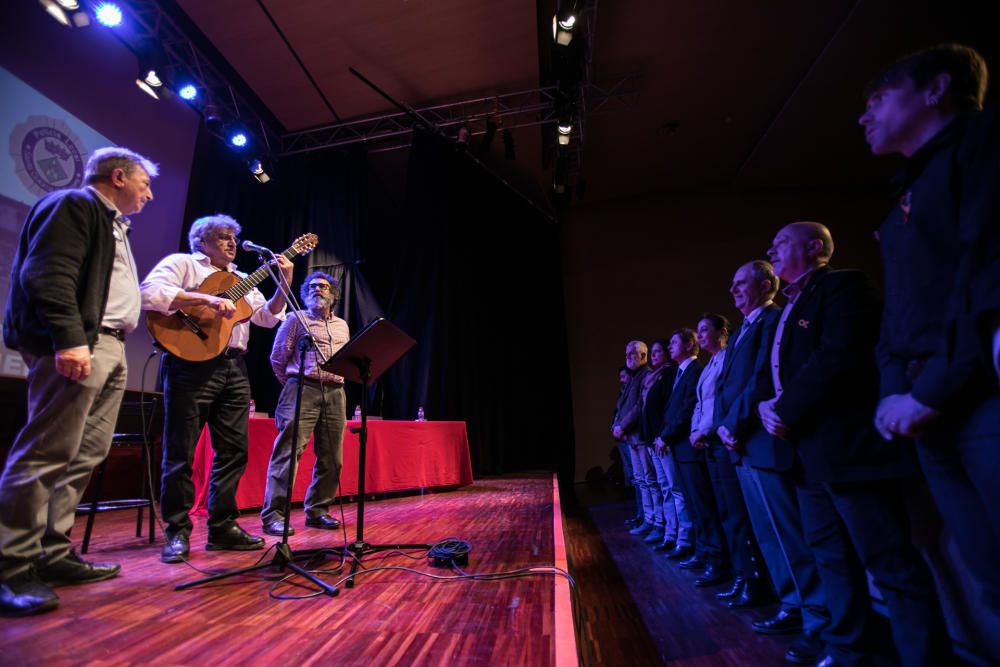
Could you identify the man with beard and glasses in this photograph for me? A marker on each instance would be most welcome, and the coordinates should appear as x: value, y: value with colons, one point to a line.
x: 322, y: 413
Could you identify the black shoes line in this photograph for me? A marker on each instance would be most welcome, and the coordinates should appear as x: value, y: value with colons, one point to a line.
x: 30, y: 592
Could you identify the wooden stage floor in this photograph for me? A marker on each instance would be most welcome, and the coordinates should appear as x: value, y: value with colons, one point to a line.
x: 391, y: 617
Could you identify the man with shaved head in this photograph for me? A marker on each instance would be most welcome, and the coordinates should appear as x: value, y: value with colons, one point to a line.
x: 852, y: 484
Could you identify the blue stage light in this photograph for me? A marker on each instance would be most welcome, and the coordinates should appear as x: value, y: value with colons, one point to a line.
x: 189, y: 92
x: 238, y: 139
x: 109, y: 14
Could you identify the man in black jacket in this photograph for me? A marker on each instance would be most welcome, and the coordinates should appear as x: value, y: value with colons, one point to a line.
x: 853, y: 484
x: 765, y: 463
x: 938, y: 258
x: 74, y: 296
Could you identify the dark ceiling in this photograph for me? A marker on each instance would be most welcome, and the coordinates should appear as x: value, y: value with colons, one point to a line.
x: 743, y: 94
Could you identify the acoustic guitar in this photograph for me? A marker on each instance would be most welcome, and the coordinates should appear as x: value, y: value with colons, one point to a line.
x: 198, y: 333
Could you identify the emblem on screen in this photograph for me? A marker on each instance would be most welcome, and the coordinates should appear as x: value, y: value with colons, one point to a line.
x: 48, y: 155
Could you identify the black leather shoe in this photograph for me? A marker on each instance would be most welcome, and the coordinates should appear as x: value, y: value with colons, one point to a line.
x: 733, y: 591
x: 634, y: 521
x: 655, y: 536
x: 641, y: 529
x: 323, y: 521
x: 754, y: 594
x: 680, y: 553
x: 712, y: 576
x: 74, y: 570
x: 786, y: 622
x: 233, y: 538
x: 175, y: 550
x: 806, y: 650
x: 667, y: 545
x: 25, y: 594
x: 695, y: 562
x: 277, y: 528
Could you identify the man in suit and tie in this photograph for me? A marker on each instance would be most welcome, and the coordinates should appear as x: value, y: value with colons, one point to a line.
x: 764, y: 466
x: 710, y: 550
x: 852, y: 484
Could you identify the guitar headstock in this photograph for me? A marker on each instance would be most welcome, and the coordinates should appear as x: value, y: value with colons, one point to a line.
x: 305, y: 244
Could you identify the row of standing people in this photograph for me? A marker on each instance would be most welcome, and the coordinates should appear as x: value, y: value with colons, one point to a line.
x: 794, y: 454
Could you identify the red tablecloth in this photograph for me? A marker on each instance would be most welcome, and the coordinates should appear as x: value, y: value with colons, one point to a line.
x: 402, y: 455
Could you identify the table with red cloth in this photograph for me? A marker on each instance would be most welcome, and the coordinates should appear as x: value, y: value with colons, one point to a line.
x: 402, y: 455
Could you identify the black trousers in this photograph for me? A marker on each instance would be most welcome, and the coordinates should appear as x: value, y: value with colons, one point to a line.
x: 733, y: 512
x: 843, y: 522
x: 216, y: 392
x: 700, y: 504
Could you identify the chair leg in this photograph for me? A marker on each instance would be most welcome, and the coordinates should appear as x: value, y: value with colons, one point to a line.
x: 148, y: 472
x: 142, y: 489
x: 98, y: 482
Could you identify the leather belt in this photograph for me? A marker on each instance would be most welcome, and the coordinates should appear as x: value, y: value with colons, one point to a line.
x: 117, y: 333
x: 325, y: 383
x: 233, y: 353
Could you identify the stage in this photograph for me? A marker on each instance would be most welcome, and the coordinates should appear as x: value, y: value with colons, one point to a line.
x: 391, y: 617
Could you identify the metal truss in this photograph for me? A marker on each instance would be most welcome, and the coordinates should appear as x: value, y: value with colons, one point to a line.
x: 149, y: 24
x: 508, y: 111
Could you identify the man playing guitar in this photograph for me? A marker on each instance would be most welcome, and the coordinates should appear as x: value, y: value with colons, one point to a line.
x: 216, y: 391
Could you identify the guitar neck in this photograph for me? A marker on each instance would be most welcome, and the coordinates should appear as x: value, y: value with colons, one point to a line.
x: 243, y: 287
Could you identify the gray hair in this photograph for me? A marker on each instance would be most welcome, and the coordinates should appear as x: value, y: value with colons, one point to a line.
x: 761, y: 271
x: 208, y: 227
x: 104, y: 161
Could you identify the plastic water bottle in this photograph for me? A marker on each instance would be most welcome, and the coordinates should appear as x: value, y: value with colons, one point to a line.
x: 420, y: 414
x: 253, y: 408
x: 357, y: 413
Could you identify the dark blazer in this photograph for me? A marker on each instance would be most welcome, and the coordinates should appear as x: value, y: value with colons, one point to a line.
x: 745, y: 381
x: 629, y: 410
x: 676, y: 431
x: 653, y: 411
x: 830, y: 384
x: 60, y: 277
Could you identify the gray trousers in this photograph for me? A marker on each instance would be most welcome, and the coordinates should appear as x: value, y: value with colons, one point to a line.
x: 322, y: 415
x: 645, y: 479
x: 677, y: 524
x: 68, y: 433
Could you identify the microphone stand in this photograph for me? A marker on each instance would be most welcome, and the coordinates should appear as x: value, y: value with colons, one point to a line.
x: 283, y: 555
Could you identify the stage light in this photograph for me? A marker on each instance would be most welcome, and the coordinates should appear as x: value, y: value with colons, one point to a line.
x: 188, y: 92
x: 565, y: 130
x: 56, y: 11
x: 239, y: 139
x: 66, y: 12
x: 149, y: 83
x: 109, y: 14
x: 257, y: 169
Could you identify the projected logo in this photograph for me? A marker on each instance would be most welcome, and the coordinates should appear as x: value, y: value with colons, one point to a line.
x: 48, y: 155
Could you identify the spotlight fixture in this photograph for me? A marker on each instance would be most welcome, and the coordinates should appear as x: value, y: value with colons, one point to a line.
x: 67, y: 12
x: 565, y: 129
x: 188, y: 92
x: 563, y: 22
x: 149, y: 82
x: 108, y: 14
x: 238, y: 137
x: 257, y: 169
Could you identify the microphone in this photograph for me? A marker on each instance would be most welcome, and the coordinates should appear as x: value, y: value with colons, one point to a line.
x: 250, y: 246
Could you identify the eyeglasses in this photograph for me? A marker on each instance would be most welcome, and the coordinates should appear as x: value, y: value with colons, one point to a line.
x: 322, y: 287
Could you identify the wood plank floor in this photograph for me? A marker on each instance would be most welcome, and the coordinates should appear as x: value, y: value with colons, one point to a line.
x: 390, y: 618
x: 639, y: 608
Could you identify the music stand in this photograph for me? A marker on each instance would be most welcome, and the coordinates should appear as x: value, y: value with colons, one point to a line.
x: 364, y: 359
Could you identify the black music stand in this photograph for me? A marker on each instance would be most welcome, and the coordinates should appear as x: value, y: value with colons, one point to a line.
x: 364, y: 359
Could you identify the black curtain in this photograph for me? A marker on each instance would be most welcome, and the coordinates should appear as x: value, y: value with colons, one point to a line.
x: 324, y: 193
x: 478, y: 284
x: 464, y: 266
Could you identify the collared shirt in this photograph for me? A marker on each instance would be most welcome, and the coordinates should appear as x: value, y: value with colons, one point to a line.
x: 183, y: 272
x: 330, y: 335
x: 124, y: 302
x: 681, y: 367
x: 750, y: 319
x: 793, y: 290
x: 704, y: 409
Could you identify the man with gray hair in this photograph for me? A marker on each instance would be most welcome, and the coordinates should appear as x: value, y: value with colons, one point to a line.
x: 322, y: 413
x: 74, y: 297
x: 216, y: 391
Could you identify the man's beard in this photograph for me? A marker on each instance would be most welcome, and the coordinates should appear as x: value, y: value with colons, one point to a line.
x: 322, y: 301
